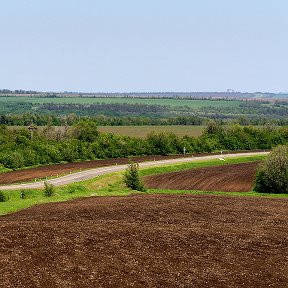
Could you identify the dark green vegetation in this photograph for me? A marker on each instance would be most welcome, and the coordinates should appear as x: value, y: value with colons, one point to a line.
x: 112, y: 185
x: 23, y: 148
x: 272, y: 176
x: 3, y: 197
x: 49, y: 189
x: 138, y: 111
x: 132, y: 179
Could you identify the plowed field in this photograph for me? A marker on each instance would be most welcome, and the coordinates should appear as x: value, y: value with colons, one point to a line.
x: 62, y: 169
x: 233, y: 178
x: 147, y: 241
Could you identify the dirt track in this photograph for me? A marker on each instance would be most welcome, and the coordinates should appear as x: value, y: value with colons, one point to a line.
x: 31, y: 174
x: 234, y: 178
x: 62, y: 169
x: 147, y: 241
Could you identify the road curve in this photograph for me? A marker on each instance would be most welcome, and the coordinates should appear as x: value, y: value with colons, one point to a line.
x: 92, y: 173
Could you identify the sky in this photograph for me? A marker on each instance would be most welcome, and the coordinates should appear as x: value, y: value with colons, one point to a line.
x: 144, y: 45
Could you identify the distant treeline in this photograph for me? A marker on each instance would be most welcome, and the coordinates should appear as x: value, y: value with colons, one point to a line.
x: 9, y: 92
x: 21, y: 148
x: 255, y: 112
x: 229, y: 94
x: 101, y: 120
x: 117, y: 109
x: 27, y: 119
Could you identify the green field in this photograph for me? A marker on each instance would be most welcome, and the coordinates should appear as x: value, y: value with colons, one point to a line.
x: 140, y: 131
x: 80, y: 100
x: 143, y: 131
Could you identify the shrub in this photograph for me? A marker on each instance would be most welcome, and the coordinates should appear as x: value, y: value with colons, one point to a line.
x: 3, y: 197
x: 74, y: 188
x: 49, y: 189
x: 23, y: 194
x: 132, y: 179
x: 272, y: 175
x: 71, y: 189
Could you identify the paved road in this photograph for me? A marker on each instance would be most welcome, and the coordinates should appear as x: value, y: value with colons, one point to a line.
x: 88, y: 174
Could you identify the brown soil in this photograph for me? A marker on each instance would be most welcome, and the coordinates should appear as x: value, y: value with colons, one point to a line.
x: 232, y: 177
x: 31, y: 174
x: 147, y: 241
x: 61, y: 169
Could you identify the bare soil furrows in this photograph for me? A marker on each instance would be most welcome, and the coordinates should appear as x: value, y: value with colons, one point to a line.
x: 61, y: 169
x: 147, y: 241
x: 233, y: 178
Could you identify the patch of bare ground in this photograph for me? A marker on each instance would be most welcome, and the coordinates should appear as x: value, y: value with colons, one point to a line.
x: 147, y: 241
x: 226, y: 178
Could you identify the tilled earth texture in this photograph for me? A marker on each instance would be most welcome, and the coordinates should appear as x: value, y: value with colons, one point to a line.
x: 61, y: 169
x: 233, y: 178
x: 147, y: 241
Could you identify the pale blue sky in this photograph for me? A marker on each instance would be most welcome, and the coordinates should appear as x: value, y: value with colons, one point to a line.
x: 144, y: 45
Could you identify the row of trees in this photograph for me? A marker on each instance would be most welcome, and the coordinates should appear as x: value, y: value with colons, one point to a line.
x: 27, y: 119
x: 52, y: 120
x: 22, y: 148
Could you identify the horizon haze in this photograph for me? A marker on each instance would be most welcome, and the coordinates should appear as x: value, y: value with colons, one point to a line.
x: 143, y: 46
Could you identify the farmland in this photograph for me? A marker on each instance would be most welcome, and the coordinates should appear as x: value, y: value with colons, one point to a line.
x: 107, y: 185
x: 229, y: 178
x: 147, y: 241
x: 143, y: 131
x: 142, y: 111
x: 43, y: 172
x: 144, y: 144
x: 193, y: 103
x: 140, y: 131
x: 150, y: 239
x: 179, y: 232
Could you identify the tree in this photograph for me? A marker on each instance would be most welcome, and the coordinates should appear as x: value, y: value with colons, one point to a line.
x: 86, y: 131
x: 213, y: 127
x: 272, y: 175
x: 132, y: 179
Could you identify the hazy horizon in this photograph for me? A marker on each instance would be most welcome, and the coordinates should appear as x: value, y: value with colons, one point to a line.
x: 149, y: 46
x: 145, y: 92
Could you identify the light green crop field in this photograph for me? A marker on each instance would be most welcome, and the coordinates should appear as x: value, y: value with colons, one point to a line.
x: 112, y: 185
x: 80, y: 100
x: 143, y: 131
